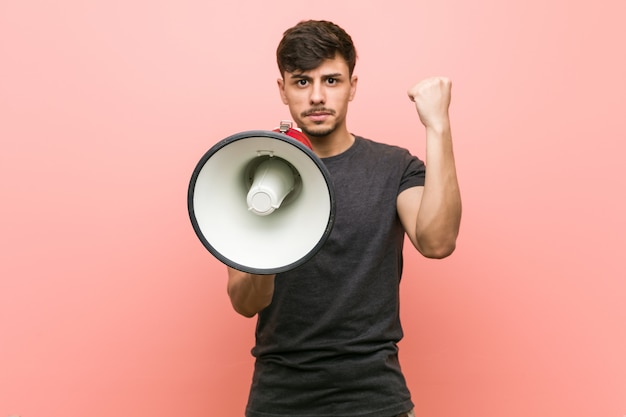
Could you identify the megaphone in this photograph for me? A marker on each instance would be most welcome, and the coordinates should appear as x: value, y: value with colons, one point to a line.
x: 261, y: 201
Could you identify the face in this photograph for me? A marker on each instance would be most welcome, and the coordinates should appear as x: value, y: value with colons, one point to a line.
x: 318, y: 99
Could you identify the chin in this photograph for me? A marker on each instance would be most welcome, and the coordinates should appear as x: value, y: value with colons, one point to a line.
x: 318, y: 131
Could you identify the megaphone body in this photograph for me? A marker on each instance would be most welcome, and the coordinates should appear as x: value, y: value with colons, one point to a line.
x: 261, y: 201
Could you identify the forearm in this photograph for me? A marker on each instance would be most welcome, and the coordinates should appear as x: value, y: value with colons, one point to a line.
x: 439, y: 216
x: 249, y: 293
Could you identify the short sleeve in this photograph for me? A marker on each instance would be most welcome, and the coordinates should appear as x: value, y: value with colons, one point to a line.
x: 414, y: 174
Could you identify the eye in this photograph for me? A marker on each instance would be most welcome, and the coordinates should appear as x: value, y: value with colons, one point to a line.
x: 331, y: 81
x: 302, y: 82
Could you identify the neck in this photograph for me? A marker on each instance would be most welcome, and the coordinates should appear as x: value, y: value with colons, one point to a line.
x: 333, y: 144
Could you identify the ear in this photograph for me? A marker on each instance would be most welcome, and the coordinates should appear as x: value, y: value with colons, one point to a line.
x: 281, y: 89
x: 353, y: 83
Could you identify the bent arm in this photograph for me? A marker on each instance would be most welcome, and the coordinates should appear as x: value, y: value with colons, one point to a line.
x: 249, y: 293
x: 431, y: 215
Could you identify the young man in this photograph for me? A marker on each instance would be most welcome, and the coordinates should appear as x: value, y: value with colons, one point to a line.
x: 327, y: 331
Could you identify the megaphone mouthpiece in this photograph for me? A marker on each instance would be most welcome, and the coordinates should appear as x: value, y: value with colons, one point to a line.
x: 273, y: 181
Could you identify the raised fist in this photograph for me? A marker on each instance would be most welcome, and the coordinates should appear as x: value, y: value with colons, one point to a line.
x: 432, y: 100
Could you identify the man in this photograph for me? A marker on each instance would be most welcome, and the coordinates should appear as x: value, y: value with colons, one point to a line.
x: 327, y: 331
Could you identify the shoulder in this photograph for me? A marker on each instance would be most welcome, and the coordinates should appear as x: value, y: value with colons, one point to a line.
x: 380, y: 149
x: 378, y: 145
x: 395, y: 161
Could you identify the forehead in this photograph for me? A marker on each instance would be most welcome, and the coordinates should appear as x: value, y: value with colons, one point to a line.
x: 336, y: 67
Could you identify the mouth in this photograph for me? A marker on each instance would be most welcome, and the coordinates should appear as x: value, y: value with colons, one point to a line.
x: 318, y: 115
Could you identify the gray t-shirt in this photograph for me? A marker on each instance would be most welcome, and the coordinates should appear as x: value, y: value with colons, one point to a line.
x: 326, y: 345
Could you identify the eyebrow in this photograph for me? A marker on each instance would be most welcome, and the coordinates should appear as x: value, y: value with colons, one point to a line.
x: 301, y: 76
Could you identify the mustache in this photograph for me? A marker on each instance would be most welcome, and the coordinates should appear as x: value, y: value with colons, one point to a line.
x: 317, y: 110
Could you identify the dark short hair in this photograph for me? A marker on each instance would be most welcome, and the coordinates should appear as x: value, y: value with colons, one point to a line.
x: 304, y: 46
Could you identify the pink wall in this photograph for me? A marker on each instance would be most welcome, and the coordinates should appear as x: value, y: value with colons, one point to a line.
x: 109, y: 305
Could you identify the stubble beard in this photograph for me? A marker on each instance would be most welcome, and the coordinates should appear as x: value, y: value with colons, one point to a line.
x: 319, y: 131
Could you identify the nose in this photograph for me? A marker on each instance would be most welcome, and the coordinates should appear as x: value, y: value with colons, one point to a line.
x: 317, y: 94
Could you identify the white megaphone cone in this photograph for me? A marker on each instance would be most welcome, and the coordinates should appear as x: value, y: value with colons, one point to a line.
x: 262, y: 201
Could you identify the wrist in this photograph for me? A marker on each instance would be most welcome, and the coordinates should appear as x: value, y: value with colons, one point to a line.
x: 438, y: 129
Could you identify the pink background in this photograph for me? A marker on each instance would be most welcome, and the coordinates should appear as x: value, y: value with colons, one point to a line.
x: 109, y: 305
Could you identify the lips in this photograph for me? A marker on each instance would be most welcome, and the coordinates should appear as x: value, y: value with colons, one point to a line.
x: 318, y: 115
